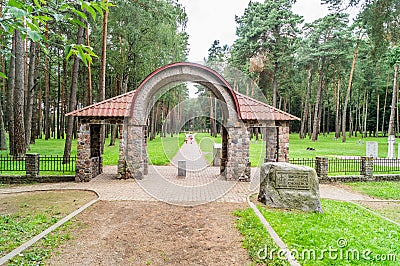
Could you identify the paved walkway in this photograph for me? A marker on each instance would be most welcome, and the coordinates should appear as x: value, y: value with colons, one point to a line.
x: 202, y: 184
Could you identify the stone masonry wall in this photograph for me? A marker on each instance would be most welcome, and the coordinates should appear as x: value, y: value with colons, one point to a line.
x: 87, y: 166
x: 238, y: 165
x: 283, y: 138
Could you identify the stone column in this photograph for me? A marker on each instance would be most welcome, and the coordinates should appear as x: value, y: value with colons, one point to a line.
x: 122, y: 150
x: 283, y: 142
x: 271, y: 144
x: 135, y: 151
x: 367, y: 167
x: 32, y: 164
x: 238, y: 165
x: 322, y: 167
x: 224, y: 151
x: 83, y: 161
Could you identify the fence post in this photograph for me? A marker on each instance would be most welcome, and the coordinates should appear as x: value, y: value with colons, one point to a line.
x: 32, y: 164
x: 322, y: 167
x: 367, y: 167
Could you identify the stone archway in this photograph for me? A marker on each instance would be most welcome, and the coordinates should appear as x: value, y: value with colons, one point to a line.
x: 236, y: 140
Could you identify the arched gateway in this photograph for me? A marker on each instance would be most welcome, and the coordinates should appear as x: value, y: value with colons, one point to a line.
x: 236, y: 138
x: 240, y: 113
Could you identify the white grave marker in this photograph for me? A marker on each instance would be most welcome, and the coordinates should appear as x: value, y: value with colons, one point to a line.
x: 372, y: 149
x: 391, y: 146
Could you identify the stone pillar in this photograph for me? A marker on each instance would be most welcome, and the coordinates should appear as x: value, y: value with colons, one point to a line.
x: 367, y: 167
x: 135, y: 151
x: 237, y: 164
x: 121, y: 161
x: 271, y: 144
x: 322, y: 167
x: 283, y: 142
x: 83, y: 161
x: 32, y: 164
x: 217, y: 154
x: 181, y: 168
x: 224, y: 151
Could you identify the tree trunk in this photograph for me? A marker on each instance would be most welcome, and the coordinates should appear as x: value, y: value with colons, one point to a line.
x: 102, y: 87
x: 377, y: 115
x: 19, y: 130
x: 63, y: 96
x: 275, y: 85
x: 89, y: 91
x: 47, y: 92
x: 317, y: 102
x: 346, y: 101
x: 72, y: 100
x: 337, y: 107
x: 10, y: 100
x: 384, y: 106
x: 394, y: 101
x: 31, y: 93
x: 305, y: 111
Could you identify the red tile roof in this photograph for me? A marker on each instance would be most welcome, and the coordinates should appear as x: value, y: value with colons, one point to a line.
x: 251, y: 109
x: 114, y: 107
x: 119, y: 106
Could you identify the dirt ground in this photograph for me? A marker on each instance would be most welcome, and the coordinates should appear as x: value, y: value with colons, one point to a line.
x: 64, y: 202
x: 154, y: 233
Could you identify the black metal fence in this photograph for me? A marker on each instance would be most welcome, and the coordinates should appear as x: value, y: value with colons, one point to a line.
x: 12, y: 164
x: 352, y: 166
x: 47, y: 164
x: 303, y: 161
x: 57, y: 164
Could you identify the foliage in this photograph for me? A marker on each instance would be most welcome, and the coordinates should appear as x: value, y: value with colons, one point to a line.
x: 341, y: 224
x: 382, y: 190
x: 31, y: 18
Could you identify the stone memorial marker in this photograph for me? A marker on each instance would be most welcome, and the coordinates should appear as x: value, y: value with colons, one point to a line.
x: 283, y: 185
x: 372, y: 149
x: 181, y: 168
x: 217, y: 148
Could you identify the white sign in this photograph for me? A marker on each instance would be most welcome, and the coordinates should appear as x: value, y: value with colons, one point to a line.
x: 372, y: 149
x: 391, y: 146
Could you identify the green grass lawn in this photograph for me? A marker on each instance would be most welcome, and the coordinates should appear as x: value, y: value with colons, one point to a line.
x: 328, y: 146
x: 206, y: 143
x: 382, y: 190
x: 162, y: 150
x: 344, y: 228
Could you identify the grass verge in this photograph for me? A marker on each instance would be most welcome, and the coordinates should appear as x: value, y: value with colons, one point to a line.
x: 256, y: 237
x: 24, y: 215
x: 383, y: 190
x: 344, y: 234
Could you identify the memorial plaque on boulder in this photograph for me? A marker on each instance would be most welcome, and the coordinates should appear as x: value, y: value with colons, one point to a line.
x: 283, y: 185
x: 372, y: 149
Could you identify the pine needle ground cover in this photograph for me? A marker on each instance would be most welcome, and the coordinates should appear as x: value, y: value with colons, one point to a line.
x: 345, y: 234
x: 24, y: 215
